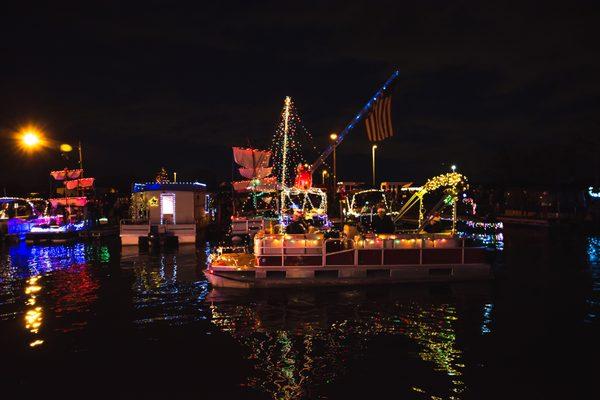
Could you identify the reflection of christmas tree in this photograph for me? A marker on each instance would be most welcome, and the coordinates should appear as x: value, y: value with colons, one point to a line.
x: 291, y: 144
x: 162, y: 176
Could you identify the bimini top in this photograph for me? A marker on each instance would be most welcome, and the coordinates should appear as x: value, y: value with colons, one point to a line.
x: 182, y: 186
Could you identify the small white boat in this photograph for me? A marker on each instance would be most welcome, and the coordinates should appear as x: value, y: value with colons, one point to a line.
x: 311, y: 260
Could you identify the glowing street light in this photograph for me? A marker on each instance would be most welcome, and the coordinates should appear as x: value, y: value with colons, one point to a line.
x: 334, y: 137
x: 373, y: 148
x: 323, y: 175
x: 453, y: 167
x: 30, y: 139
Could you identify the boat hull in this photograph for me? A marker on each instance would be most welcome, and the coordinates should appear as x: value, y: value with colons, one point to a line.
x: 345, y: 276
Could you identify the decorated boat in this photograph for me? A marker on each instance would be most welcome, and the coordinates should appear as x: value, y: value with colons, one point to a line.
x: 314, y: 260
x: 63, y: 218
x: 304, y: 249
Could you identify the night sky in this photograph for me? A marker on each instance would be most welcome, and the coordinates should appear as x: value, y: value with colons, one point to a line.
x: 509, y: 93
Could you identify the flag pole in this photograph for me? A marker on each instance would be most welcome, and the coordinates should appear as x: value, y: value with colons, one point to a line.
x: 364, y: 111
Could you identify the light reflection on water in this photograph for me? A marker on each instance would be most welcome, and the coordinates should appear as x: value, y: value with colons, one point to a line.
x: 167, y: 287
x: 32, y: 274
x: 593, y: 253
x: 300, y: 342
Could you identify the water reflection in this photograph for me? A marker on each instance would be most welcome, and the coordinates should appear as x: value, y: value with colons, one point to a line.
x: 593, y: 254
x: 41, y: 282
x: 167, y: 287
x: 302, y: 341
x: 33, y: 314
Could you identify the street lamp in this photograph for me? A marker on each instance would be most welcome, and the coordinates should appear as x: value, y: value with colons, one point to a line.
x: 373, y: 148
x: 67, y: 148
x: 323, y: 175
x: 453, y: 167
x: 30, y: 138
x: 334, y: 137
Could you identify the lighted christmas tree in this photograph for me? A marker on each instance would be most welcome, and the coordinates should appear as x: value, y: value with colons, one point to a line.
x: 291, y: 145
x: 162, y: 176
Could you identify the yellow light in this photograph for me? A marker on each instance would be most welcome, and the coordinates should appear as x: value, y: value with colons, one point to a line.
x: 30, y: 139
x: 333, y: 136
x: 66, y: 148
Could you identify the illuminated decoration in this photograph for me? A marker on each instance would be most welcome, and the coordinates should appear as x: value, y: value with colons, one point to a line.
x: 594, y: 193
x: 304, y: 200
x: 79, y: 183
x: 254, y: 166
x: 453, y: 183
x: 162, y: 176
x: 290, y: 144
x: 150, y: 186
x: 138, y: 206
x: 356, y: 211
x: 68, y: 201
x: 362, y: 114
x: 303, y: 177
x: 69, y: 227
x: 471, y: 202
x: 453, y: 180
x: 66, y: 174
x: 66, y: 148
x: 485, y: 225
x: 153, y: 202
x: 167, y: 208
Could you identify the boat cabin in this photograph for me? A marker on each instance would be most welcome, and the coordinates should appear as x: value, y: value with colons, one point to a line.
x: 167, y: 208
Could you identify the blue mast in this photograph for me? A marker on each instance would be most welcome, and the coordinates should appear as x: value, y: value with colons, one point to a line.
x: 365, y: 110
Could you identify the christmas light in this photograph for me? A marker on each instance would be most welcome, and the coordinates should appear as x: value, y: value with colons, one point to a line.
x: 592, y: 193
x: 291, y: 144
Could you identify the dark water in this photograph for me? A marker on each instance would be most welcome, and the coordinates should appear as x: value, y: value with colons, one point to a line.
x: 83, y: 320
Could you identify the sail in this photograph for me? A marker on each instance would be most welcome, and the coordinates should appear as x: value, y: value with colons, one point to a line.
x: 254, y: 163
x: 66, y: 173
x: 68, y: 201
x: 253, y: 173
x: 79, y: 183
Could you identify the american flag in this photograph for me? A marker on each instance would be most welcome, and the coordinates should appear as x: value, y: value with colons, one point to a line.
x: 379, y: 120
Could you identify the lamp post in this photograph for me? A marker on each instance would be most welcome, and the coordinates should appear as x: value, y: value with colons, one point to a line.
x: 373, y: 148
x: 334, y: 138
x: 453, y: 167
x: 323, y: 175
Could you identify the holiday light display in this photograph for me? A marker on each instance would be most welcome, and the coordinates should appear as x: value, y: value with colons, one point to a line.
x: 592, y: 193
x: 162, y: 176
x: 308, y: 200
x: 291, y: 143
x: 451, y: 180
x: 353, y: 205
x: 453, y: 183
x: 303, y: 177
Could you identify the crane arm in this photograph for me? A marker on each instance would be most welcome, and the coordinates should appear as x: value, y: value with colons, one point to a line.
x: 365, y: 110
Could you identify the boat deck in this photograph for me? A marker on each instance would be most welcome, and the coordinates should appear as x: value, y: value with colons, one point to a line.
x: 282, y: 260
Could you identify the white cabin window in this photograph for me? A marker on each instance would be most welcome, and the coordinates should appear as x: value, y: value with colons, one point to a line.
x: 167, y: 208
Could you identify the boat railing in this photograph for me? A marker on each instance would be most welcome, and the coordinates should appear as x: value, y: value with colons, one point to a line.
x: 313, y: 250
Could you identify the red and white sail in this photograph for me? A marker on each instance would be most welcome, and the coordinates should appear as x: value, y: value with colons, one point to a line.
x: 254, y: 166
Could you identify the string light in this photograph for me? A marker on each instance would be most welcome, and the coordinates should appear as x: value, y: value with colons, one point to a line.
x: 291, y: 144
